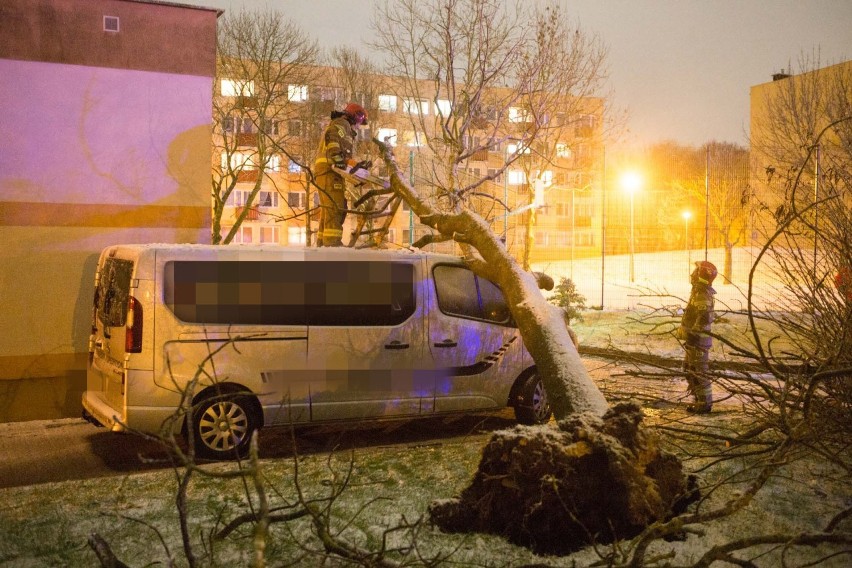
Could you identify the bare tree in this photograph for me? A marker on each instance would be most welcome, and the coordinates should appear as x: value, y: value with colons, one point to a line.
x: 264, y: 65
x: 713, y: 182
x: 488, y: 71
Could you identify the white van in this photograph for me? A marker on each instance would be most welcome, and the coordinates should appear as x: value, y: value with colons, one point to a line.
x: 265, y: 335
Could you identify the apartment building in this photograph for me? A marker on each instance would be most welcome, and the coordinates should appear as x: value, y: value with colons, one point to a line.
x: 106, y: 130
x: 799, y: 122
x: 261, y: 148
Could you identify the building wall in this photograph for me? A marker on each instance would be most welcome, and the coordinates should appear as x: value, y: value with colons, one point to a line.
x: 786, y: 114
x: 106, y: 140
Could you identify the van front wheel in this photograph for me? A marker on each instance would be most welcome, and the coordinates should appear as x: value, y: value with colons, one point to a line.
x: 222, y: 426
x: 532, y: 406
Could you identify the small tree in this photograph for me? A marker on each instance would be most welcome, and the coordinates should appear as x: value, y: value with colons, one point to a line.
x: 567, y: 297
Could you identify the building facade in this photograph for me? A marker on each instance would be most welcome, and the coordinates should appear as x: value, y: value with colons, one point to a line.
x: 265, y: 151
x: 107, y: 140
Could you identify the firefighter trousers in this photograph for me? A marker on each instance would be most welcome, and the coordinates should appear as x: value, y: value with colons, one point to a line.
x: 697, y: 367
x: 332, y: 199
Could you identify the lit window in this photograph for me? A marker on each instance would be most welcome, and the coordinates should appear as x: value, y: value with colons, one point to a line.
x: 269, y: 234
x: 293, y: 167
x: 562, y: 150
x: 296, y: 199
x: 517, y: 149
x: 387, y: 103
x: 273, y: 164
x: 238, y: 161
x: 243, y: 235
x: 443, y: 107
x: 547, y: 177
x: 295, y: 236
x: 518, y: 115
x: 415, y: 106
x: 237, y: 198
x: 516, y: 177
x: 267, y: 199
x: 297, y: 93
x: 234, y: 88
x: 387, y: 135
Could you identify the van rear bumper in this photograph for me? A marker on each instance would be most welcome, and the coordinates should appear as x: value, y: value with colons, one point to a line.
x: 100, y: 410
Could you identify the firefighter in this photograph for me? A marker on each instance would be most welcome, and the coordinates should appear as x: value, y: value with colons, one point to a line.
x: 694, y: 330
x: 335, y: 150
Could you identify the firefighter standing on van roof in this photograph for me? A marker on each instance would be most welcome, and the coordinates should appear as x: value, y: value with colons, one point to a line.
x: 335, y: 149
x: 694, y: 330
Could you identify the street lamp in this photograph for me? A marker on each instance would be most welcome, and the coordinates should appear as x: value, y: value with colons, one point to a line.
x: 631, y: 182
x: 687, y: 215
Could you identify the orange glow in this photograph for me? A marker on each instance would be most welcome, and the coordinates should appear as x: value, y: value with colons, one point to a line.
x: 631, y: 181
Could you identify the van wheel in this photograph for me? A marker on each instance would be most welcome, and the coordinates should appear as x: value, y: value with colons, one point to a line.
x: 531, y: 405
x: 222, y: 426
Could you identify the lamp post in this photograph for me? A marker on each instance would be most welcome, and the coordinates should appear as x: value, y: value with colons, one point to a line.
x: 687, y: 215
x: 631, y: 182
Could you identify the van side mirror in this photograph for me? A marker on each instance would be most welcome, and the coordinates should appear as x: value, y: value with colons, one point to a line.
x: 545, y: 282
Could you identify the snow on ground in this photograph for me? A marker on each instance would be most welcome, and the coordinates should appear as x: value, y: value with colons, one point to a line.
x: 658, y: 274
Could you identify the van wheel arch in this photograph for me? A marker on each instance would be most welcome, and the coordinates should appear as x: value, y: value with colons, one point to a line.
x: 240, y: 399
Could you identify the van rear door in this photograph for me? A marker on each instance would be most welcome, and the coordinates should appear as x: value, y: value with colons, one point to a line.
x: 112, y: 338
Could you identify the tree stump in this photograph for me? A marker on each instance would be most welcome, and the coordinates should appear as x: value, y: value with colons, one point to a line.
x: 555, y: 490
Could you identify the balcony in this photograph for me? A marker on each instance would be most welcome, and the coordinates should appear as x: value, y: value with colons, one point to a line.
x: 246, y: 139
x: 245, y: 102
x: 480, y: 156
x: 251, y: 214
x: 247, y: 175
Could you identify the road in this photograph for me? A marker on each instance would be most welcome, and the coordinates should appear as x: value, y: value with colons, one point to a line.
x: 60, y: 450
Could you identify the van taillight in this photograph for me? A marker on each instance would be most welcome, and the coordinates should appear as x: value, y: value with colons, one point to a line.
x: 133, y: 329
x: 95, y: 311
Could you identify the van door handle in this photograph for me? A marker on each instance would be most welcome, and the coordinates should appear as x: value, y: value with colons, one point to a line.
x: 446, y: 343
x: 396, y: 345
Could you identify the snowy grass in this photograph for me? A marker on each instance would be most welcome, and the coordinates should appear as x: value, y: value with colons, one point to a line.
x: 48, y: 525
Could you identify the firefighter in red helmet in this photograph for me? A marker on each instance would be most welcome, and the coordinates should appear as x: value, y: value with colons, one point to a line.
x: 335, y: 150
x: 694, y: 330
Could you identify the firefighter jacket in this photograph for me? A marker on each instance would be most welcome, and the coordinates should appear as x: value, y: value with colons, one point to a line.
x: 337, y: 143
x: 698, y: 316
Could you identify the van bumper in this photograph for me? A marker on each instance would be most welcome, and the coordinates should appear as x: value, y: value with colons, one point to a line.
x: 97, y: 407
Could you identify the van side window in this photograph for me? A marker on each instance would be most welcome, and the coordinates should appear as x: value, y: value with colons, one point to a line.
x: 327, y: 293
x: 114, y: 291
x: 461, y: 293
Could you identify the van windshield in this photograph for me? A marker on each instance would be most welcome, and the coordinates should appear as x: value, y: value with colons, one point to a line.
x: 114, y: 291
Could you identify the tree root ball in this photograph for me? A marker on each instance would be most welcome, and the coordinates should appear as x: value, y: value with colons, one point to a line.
x: 556, y: 490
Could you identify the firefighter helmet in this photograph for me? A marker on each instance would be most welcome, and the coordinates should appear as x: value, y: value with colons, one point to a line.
x: 356, y: 112
x: 705, y: 272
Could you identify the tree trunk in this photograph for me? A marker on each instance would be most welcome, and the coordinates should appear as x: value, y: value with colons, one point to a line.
x: 569, y: 387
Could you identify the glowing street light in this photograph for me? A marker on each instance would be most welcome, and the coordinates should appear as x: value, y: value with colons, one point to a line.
x: 687, y: 215
x: 631, y: 182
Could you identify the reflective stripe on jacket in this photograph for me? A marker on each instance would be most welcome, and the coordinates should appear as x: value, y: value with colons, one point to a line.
x: 337, y: 143
x: 698, y: 316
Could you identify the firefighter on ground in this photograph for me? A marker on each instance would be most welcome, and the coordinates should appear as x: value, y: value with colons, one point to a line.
x: 694, y: 330
x: 335, y: 150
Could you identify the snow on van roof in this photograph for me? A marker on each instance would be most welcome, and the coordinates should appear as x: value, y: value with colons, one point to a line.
x: 342, y: 251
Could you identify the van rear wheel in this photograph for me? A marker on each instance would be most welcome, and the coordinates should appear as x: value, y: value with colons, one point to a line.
x: 222, y: 426
x: 532, y: 406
